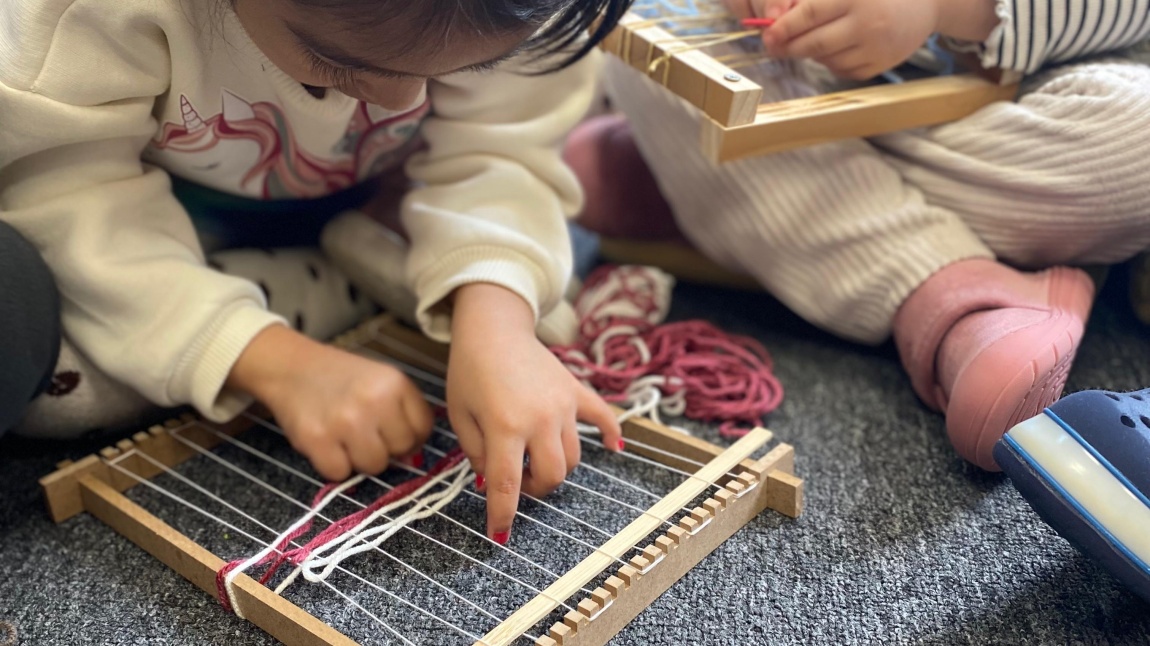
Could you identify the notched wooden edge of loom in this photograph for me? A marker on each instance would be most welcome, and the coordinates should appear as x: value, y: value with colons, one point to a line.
x: 634, y: 586
x: 61, y: 488
x: 849, y: 114
x: 723, y: 94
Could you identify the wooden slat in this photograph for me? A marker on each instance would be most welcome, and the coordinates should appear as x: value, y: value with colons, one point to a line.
x: 864, y: 112
x: 620, y: 602
x: 570, y: 583
x: 279, y: 617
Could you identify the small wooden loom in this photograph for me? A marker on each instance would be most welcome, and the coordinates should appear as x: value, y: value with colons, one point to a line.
x: 739, y: 125
x: 732, y: 488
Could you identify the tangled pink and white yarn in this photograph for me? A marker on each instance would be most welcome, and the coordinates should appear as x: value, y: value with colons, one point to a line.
x: 631, y: 357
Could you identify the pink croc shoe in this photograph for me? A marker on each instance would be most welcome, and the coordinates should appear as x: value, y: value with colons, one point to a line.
x: 991, y: 346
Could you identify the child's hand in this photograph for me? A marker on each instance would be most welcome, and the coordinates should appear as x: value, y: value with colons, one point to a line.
x: 855, y: 39
x: 506, y: 394
x: 344, y: 413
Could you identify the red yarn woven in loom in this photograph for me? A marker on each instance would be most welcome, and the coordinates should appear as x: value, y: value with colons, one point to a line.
x: 334, y: 530
x: 725, y: 378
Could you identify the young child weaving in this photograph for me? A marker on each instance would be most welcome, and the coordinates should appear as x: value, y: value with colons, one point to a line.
x: 282, y: 100
x: 918, y: 234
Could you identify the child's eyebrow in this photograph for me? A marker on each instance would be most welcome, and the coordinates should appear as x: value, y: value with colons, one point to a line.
x: 338, y: 56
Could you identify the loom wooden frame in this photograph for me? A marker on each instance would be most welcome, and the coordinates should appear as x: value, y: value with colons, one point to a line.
x: 91, y: 485
x: 738, y: 125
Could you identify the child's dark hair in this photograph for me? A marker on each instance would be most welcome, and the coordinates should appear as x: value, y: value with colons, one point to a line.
x: 562, y: 23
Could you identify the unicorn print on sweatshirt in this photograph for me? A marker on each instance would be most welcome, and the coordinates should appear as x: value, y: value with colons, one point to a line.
x: 249, y: 149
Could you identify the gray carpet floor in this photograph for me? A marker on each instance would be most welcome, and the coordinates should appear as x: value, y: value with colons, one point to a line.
x: 900, y: 543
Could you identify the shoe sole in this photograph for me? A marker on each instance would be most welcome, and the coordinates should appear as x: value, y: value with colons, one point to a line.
x: 1076, y: 491
x: 1050, y: 347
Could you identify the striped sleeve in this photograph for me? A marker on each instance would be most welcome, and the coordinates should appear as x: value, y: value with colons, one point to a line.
x: 1033, y: 33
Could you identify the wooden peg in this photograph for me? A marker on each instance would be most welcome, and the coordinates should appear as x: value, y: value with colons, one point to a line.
x: 724, y: 496
x: 640, y: 563
x: 677, y: 534
x: 689, y: 524
x: 602, y: 597
x: 700, y: 515
x: 665, y: 544
x: 125, y: 445
x: 588, y: 607
x: 546, y: 641
x: 713, y: 506
x: 736, y: 487
x: 574, y: 620
x: 629, y: 574
x: 615, y: 585
x: 560, y: 632
x: 747, y: 479
x: 653, y: 554
x: 110, y: 453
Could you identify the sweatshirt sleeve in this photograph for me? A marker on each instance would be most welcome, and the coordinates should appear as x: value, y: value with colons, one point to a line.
x: 1034, y: 33
x: 76, y: 99
x: 494, y: 193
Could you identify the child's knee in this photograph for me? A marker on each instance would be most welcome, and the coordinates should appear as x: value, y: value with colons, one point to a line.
x: 29, y: 324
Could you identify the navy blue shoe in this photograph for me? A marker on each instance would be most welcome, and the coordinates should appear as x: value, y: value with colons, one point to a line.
x: 1084, y: 466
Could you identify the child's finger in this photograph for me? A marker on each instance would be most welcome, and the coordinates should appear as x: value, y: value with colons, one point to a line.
x: 471, y: 441
x: 368, y: 451
x: 823, y: 43
x: 572, y: 447
x: 592, y: 409
x: 504, y: 479
x: 417, y: 412
x: 805, y: 16
x: 547, y: 468
x: 330, y: 461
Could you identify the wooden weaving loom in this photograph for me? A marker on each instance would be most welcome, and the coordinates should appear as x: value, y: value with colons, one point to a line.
x: 729, y: 487
x: 705, y: 71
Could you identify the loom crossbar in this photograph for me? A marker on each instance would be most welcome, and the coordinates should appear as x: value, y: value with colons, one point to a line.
x: 864, y: 112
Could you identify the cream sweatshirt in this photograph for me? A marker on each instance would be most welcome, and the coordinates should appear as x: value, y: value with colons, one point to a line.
x: 101, y: 99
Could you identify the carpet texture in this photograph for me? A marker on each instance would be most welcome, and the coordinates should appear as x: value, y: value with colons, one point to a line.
x: 900, y: 543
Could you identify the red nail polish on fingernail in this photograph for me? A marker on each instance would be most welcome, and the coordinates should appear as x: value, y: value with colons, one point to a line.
x: 417, y: 460
x: 479, y: 481
x: 501, y: 537
x: 622, y: 445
